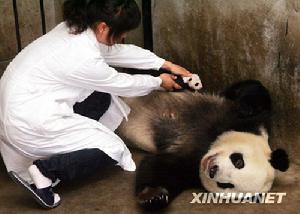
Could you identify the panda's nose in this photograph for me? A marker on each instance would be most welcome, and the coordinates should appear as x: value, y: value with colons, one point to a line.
x: 213, y: 171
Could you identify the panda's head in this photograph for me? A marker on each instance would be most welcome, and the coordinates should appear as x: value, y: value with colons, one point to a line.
x: 241, y: 162
x: 193, y: 82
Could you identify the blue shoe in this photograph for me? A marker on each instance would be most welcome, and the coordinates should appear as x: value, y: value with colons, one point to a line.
x: 45, y: 197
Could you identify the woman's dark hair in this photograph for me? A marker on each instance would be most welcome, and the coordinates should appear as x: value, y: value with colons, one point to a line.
x: 120, y: 15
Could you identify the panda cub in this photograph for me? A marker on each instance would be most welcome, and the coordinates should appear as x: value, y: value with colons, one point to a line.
x: 218, y: 142
x: 192, y: 83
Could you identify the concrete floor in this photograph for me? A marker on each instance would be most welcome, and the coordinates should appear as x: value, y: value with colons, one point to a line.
x: 112, y: 193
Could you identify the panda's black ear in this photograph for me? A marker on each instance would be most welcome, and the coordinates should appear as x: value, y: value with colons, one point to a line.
x: 280, y: 160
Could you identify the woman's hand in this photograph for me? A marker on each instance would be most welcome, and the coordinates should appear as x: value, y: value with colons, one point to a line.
x: 168, y: 82
x: 176, y: 69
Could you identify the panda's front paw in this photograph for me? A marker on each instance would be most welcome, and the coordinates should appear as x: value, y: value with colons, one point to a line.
x: 153, y: 198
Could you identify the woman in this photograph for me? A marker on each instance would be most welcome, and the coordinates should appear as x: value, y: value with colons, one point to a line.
x: 41, y: 85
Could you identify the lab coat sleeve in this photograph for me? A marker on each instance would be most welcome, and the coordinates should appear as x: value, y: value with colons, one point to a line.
x: 130, y: 56
x: 96, y: 75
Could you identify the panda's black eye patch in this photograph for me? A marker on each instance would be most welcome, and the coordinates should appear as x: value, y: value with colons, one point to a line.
x: 225, y: 185
x: 237, y: 160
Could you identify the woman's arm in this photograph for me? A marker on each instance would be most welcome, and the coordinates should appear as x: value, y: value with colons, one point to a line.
x: 131, y: 56
x: 96, y: 75
x: 176, y: 69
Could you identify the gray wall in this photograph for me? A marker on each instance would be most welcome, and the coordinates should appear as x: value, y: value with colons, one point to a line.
x: 136, y: 36
x: 30, y: 25
x: 229, y: 40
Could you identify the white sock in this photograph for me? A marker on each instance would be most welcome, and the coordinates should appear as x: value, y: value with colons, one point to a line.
x: 56, y: 198
x: 38, y: 178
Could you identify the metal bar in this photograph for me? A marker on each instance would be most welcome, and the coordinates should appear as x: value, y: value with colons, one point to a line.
x: 17, y: 26
x: 147, y: 24
x: 43, y: 18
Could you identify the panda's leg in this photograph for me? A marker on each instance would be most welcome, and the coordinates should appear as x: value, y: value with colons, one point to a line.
x: 161, y: 177
x: 250, y: 97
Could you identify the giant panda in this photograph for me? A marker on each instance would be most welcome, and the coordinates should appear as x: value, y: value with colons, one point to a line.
x: 218, y: 142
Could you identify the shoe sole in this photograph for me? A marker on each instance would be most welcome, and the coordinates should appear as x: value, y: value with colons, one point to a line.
x: 18, y: 180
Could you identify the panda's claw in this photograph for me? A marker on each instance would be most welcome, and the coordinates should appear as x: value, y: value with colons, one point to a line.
x: 153, y: 198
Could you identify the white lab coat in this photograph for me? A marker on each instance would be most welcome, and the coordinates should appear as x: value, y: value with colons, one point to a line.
x: 41, y: 85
